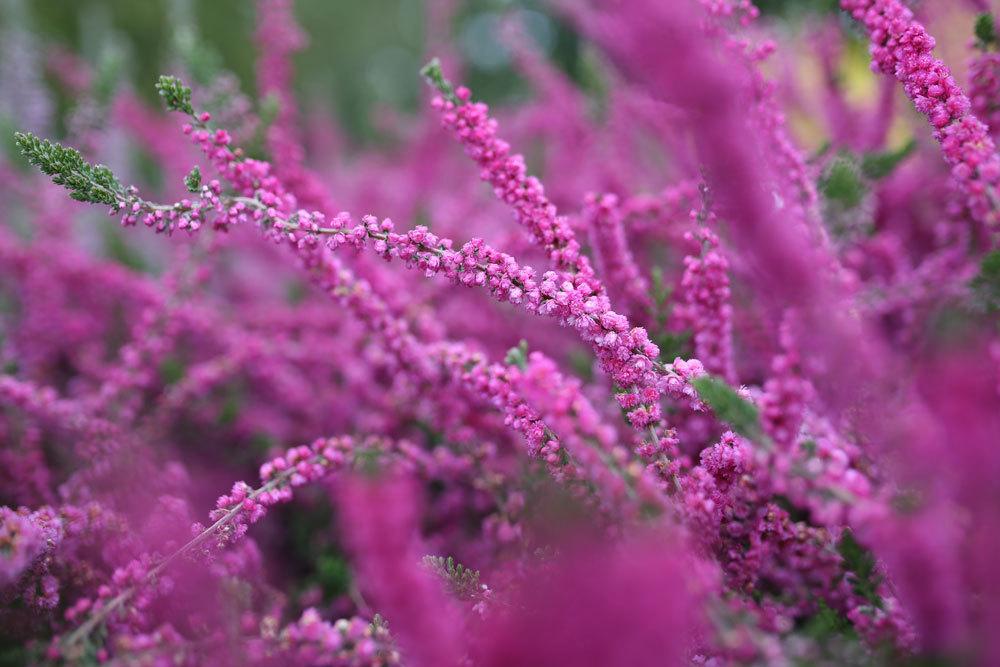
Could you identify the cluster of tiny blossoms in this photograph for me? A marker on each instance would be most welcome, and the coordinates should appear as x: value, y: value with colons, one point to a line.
x: 507, y: 173
x: 902, y: 47
x: 984, y: 89
x: 604, y: 214
x: 707, y: 307
x: 626, y: 353
x: 133, y: 587
x: 243, y: 505
x: 673, y: 437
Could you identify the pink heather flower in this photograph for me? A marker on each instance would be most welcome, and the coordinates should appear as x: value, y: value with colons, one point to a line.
x: 706, y: 303
x: 130, y: 386
x: 796, y: 184
x: 901, y: 46
x: 591, y: 442
x: 21, y: 542
x: 984, y: 89
x: 785, y: 393
x: 380, y: 525
x: 641, y: 610
x: 619, y: 270
x: 507, y: 173
x: 311, y: 640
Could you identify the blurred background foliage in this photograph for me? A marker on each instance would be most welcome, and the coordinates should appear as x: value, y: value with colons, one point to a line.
x: 361, y: 55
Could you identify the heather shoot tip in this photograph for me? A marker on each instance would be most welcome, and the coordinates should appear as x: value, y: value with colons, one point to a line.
x: 434, y: 76
x: 86, y: 182
x: 175, y: 94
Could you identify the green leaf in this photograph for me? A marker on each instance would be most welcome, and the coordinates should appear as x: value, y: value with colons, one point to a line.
x: 175, y: 94
x: 582, y: 363
x: 518, y: 356
x: 673, y: 345
x: 730, y: 407
x: 232, y: 404
x: 859, y: 564
x: 878, y: 165
x: 986, y: 33
x: 171, y: 370
x: 842, y: 183
x: 660, y: 291
x: 797, y: 9
x: 986, y: 285
x: 86, y: 182
x: 827, y: 623
x: 821, y: 152
x: 333, y: 574
x: 193, y: 180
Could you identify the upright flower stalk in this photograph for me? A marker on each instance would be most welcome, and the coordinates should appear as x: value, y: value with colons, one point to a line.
x: 902, y: 47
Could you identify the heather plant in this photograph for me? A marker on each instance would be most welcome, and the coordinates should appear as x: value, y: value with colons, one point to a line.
x: 703, y: 368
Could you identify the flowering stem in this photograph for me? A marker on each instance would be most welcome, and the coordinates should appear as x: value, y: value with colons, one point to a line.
x: 99, y: 616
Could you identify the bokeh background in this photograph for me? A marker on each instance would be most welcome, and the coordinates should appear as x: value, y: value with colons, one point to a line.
x: 360, y: 55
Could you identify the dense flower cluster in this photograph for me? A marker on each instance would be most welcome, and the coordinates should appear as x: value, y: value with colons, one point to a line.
x: 472, y: 125
x: 713, y: 399
x: 706, y: 302
x: 984, y: 82
x: 902, y: 47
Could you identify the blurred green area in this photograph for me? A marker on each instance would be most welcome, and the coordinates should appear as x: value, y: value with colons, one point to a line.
x: 360, y: 55
x: 796, y: 8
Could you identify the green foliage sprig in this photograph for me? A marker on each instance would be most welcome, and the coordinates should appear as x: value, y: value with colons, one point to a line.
x: 435, y: 77
x: 462, y: 582
x: 86, y: 182
x: 175, y: 94
x: 848, y: 177
x: 986, y: 285
x: 518, y: 356
x: 730, y: 407
x: 986, y: 31
x: 860, y: 567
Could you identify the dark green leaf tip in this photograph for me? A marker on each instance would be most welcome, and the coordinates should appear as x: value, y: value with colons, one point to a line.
x: 986, y: 33
x: 175, y: 94
x: 435, y: 77
x: 193, y: 180
x: 518, y: 356
x: 462, y: 582
x: 861, y: 569
x: 730, y: 407
x: 842, y: 183
x: 986, y: 285
x: 86, y: 182
x: 877, y: 165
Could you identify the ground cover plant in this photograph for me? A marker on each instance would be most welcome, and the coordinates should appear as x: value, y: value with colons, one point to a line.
x: 685, y: 351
